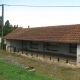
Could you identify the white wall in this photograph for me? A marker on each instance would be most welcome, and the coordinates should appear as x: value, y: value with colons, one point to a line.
x: 8, y: 43
x: 24, y: 45
x: 62, y: 48
x: 28, y: 45
x: 54, y: 47
x: 40, y: 46
x: 17, y: 44
x: 78, y: 54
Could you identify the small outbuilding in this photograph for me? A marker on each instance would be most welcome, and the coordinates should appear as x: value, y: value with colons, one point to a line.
x: 64, y: 40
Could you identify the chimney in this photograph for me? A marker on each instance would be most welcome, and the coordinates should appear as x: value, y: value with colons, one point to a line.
x: 28, y: 26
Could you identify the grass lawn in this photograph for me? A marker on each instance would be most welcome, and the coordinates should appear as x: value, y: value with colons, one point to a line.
x: 11, y: 72
x: 47, y: 69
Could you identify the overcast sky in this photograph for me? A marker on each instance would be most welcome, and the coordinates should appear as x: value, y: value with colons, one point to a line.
x: 39, y: 16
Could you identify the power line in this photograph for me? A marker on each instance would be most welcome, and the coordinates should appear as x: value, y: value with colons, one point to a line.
x: 38, y: 6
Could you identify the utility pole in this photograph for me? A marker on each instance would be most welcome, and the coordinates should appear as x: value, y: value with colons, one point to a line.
x: 2, y: 41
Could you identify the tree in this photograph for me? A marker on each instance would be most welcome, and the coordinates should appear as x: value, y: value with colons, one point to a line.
x: 0, y: 20
x: 15, y: 26
x: 0, y: 25
x: 7, y: 23
x: 7, y: 28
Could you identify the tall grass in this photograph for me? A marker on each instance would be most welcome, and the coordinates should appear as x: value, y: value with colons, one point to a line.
x: 11, y: 72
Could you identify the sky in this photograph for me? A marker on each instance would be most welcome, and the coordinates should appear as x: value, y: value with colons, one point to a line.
x: 41, y: 16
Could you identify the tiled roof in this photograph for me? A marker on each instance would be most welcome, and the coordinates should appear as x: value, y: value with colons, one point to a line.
x: 64, y: 33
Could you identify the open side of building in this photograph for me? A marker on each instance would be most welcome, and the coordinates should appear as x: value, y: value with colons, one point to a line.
x: 59, y: 40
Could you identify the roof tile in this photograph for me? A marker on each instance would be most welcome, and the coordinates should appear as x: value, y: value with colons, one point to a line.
x: 64, y: 33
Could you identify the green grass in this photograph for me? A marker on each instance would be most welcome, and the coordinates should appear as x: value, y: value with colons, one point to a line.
x: 53, y: 70
x: 11, y: 72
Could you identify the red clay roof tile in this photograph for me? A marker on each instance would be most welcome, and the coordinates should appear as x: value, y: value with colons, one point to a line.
x: 65, y: 33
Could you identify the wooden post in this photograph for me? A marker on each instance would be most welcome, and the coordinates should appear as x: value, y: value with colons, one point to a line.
x: 58, y: 57
x: 32, y: 54
x: 67, y: 59
x: 43, y: 50
x: 22, y: 46
x: 59, y: 53
x: 37, y: 55
x: 50, y: 57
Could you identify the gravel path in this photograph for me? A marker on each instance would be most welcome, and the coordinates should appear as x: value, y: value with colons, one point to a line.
x: 18, y: 64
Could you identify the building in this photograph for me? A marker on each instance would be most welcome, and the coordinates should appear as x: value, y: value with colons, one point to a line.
x: 64, y: 40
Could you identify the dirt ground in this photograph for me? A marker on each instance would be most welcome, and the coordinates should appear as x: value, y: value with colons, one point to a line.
x: 44, y: 66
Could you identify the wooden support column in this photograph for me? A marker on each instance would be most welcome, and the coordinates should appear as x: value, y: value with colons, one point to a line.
x: 22, y: 46
x: 67, y: 59
x: 50, y: 57
x: 58, y: 56
x: 43, y: 49
x: 37, y: 55
x: 59, y: 53
x: 58, y: 59
x: 32, y: 54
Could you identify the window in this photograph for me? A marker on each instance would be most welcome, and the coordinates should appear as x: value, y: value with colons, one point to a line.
x: 73, y: 48
x: 52, y: 46
x: 34, y: 44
